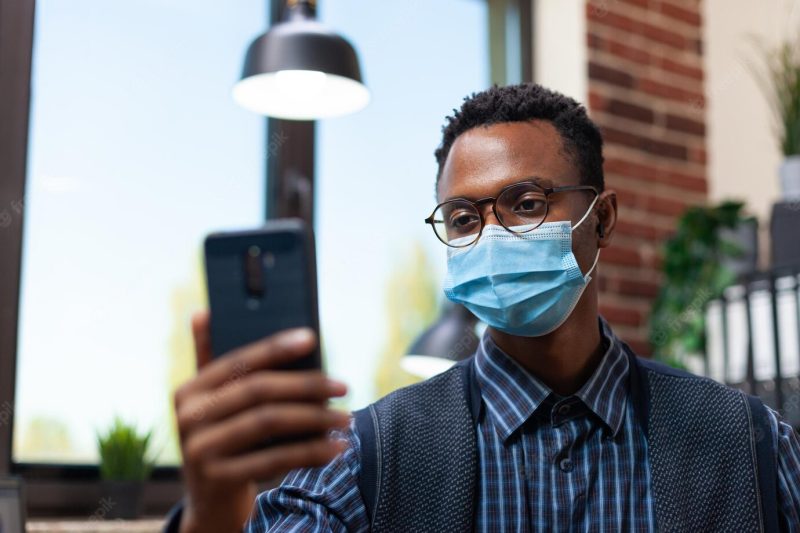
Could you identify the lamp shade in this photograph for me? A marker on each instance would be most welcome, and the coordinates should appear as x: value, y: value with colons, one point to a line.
x: 450, y: 339
x: 301, y: 70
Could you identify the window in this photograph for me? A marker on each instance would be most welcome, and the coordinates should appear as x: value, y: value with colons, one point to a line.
x: 136, y: 151
x: 380, y: 267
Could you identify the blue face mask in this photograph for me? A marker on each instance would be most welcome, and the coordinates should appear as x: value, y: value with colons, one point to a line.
x: 524, y: 284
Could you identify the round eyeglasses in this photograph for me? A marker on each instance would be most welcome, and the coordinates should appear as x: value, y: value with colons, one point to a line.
x: 520, y: 208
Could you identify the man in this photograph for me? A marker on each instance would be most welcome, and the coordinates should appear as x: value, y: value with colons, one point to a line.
x: 553, y: 425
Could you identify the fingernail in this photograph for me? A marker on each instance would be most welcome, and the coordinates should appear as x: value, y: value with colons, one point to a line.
x: 299, y: 336
x: 335, y: 388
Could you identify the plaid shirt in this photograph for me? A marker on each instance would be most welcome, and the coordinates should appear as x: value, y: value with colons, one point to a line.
x: 546, y: 462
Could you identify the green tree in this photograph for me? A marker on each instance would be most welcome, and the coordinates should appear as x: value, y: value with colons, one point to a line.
x: 45, y: 439
x: 411, y: 306
x: 186, y: 299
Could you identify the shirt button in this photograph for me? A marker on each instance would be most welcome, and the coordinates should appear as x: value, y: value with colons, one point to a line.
x: 564, y: 409
x: 565, y: 464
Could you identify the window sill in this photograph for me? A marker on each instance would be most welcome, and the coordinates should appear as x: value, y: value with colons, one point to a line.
x: 147, y: 525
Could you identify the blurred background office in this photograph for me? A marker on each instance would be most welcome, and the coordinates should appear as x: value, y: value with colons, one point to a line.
x: 121, y: 147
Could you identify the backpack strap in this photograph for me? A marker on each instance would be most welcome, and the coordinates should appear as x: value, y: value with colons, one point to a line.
x: 472, y: 390
x: 639, y: 388
x: 766, y: 469
x: 367, y: 429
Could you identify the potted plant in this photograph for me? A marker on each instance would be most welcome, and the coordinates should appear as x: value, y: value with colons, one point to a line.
x: 710, y: 249
x: 782, y: 86
x: 124, y: 467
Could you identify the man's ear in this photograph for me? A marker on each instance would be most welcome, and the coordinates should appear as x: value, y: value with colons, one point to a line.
x: 606, y: 217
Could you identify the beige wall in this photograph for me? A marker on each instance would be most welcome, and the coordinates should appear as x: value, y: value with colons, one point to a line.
x: 743, y: 151
x: 559, y: 50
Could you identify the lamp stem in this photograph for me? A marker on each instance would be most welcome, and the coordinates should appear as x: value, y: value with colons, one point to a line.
x: 300, y: 10
x: 290, y: 169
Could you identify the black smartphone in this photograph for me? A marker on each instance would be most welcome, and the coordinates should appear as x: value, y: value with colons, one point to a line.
x: 260, y: 282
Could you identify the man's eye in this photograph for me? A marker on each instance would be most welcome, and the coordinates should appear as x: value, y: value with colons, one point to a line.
x: 528, y: 205
x: 461, y: 221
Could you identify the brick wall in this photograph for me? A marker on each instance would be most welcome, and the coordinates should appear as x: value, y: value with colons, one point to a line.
x: 646, y: 93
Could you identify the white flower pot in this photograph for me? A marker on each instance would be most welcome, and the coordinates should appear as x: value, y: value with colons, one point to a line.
x: 790, y: 178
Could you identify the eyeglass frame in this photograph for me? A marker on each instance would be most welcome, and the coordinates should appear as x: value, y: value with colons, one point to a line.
x: 493, y: 199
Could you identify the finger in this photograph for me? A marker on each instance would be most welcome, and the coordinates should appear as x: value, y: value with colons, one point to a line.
x: 250, y: 428
x: 202, y: 338
x: 270, y: 352
x: 255, y: 389
x: 267, y: 463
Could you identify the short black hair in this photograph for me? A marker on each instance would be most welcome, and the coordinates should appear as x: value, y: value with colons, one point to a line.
x: 529, y: 101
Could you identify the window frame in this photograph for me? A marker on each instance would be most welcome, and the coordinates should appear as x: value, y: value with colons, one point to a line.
x: 16, y: 40
x: 509, y: 19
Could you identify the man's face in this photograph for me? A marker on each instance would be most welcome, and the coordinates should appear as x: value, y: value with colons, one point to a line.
x: 483, y: 160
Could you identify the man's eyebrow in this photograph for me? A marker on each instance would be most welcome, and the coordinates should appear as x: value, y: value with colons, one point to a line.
x: 541, y: 182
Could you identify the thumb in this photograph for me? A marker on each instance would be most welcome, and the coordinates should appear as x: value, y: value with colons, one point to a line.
x: 202, y: 338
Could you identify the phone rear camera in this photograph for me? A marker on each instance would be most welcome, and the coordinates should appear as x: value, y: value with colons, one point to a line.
x: 254, y: 273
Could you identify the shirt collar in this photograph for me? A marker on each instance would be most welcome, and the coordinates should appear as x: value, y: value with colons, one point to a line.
x: 511, y: 394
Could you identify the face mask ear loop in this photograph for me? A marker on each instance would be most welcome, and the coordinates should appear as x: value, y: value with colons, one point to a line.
x: 586, y: 214
x: 589, y: 273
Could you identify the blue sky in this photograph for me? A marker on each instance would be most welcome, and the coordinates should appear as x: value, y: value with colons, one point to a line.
x: 137, y: 151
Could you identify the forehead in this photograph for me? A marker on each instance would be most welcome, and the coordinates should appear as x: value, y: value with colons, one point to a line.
x: 485, y: 159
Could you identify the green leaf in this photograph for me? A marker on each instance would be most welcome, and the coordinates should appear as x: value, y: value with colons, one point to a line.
x: 693, y: 275
x: 124, y: 452
x: 780, y: 80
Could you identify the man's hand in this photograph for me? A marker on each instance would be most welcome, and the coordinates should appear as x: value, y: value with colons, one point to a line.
x: 234, y: 404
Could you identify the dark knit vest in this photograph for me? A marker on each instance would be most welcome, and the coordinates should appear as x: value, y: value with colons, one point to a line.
x: 710, y: 449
